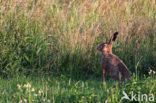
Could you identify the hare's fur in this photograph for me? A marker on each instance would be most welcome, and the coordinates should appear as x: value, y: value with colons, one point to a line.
x: 111, y: 64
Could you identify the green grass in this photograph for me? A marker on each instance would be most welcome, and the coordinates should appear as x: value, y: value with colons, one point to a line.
x: 66, y: 90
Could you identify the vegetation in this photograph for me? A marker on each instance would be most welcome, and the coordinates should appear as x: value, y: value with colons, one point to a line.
x: 59, y: 38
x: 64, y: 90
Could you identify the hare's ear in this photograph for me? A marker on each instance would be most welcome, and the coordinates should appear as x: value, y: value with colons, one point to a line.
x: 113, y: 38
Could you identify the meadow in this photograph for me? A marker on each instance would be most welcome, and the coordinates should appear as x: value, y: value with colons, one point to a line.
x: 48, y: 49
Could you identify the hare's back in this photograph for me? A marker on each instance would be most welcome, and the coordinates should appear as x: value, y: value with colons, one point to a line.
x: 118, y: 63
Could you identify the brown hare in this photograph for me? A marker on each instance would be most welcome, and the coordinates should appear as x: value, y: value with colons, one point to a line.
x: 111, y: 64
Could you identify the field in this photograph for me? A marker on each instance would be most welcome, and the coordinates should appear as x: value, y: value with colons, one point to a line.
x: 65, y: 90
x: 48, y: 50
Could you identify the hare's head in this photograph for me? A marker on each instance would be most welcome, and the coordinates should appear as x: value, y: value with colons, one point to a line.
x: 106, y: 47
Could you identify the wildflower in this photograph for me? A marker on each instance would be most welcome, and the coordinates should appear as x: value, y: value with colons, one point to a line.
x: 40, y: 91
x: 151, y: 72
x: 43, y: 100
x: 20, y: 101
x: 25, y: 100
x: 19, y: 86
x: 35, y: 95
x: 33, y: 90
x: 48, y: 101
x: 27, y: 85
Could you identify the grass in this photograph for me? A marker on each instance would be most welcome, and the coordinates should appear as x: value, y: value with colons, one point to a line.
x: 66, y: 90
x: 62, y: 36
x: 51, y: 45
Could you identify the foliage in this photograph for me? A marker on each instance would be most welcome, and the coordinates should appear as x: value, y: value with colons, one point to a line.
x: 56, y: 90
x: 61, y: 36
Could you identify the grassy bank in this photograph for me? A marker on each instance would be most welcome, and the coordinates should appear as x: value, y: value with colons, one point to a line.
x: 66, y: 90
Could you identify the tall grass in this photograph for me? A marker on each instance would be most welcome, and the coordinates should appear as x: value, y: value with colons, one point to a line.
x: 61, y: 36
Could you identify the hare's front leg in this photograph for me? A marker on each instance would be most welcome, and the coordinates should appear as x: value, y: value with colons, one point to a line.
x: 103, y: 74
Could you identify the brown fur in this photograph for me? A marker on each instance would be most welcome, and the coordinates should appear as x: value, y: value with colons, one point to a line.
x: 111, y: 64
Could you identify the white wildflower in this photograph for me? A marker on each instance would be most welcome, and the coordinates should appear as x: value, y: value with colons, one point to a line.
x: 20, y: 101
x: 151, y: 72
x: 35, y: 95
x: 40, y: 91
x: 43, y: 100
x: 33, y: 90
x: 48, y: 101
x: 28, y: 85
x: 25, y: 100
x: 19, y: 86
